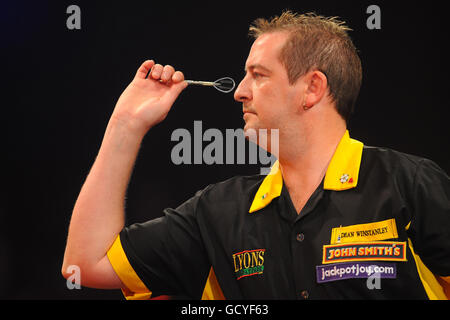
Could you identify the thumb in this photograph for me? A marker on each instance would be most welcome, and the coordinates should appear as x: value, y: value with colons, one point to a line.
x: 175, y: 90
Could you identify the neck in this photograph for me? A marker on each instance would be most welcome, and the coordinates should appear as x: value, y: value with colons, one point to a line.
x: 304, y: 158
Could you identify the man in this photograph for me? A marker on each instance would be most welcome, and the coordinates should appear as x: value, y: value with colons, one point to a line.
x: 334, y: 219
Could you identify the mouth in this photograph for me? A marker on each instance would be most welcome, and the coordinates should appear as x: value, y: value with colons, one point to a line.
x: 247, y: 115
x: 248, y: 111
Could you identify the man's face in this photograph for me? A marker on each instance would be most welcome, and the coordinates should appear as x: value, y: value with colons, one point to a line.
x: 268, y: 100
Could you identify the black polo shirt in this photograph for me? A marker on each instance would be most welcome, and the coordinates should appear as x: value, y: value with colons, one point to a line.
x: 377, y: 227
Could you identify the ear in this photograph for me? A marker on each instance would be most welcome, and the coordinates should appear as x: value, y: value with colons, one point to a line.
x: 316, y: 88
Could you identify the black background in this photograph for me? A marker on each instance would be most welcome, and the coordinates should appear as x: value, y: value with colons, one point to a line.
x: 60, y: 87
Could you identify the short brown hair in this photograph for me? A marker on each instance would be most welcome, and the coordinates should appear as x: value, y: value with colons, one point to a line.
x: 318, y: 43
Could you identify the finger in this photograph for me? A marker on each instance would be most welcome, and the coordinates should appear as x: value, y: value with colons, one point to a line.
x: 178, y: 77
x: 167, y: 73
x: 144, y: 69
x: 156, y: 71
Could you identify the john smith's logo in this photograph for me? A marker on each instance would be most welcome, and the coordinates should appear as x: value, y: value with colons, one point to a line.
x: 248, y: 263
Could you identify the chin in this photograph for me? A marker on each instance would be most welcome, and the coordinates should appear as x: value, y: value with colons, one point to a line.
x: 251, y: 132
x: 254, y: 134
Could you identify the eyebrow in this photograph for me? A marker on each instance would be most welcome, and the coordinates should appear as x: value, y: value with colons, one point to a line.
x: 257, y: 66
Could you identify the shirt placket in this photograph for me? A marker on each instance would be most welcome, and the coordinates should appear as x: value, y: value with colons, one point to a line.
x: 302, y: 245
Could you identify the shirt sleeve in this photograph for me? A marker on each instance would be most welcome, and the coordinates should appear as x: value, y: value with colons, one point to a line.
x: 163, y: 256
x: 430, y: 224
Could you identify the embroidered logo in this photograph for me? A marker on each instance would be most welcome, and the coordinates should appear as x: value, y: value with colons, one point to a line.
x: 248, y: 263
x: 346, y: 178
x: 365, y: 251
x: 355, y: 270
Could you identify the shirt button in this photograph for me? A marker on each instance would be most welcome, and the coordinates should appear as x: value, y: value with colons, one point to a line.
x: 300, y: 237
x: 304, y: 294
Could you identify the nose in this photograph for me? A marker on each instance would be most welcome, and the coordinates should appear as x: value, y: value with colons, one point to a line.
x: 243, y: 92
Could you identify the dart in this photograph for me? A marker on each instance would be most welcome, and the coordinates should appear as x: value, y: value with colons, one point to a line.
x: 225, y: 85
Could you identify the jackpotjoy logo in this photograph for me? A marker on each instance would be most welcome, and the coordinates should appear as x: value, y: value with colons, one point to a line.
x: 225, y: 148
x: 373, y: 271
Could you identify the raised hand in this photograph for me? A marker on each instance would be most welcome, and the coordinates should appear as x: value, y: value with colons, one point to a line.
x: 147, y: 101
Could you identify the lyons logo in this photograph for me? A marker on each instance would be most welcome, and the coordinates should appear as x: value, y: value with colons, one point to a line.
x: 248, y: 263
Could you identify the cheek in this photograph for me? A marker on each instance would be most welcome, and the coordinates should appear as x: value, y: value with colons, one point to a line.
x: 274, y: 100
x: 267, y: 95
x: 266, y: 88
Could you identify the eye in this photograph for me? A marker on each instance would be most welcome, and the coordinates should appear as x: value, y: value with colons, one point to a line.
x: 257, y: 75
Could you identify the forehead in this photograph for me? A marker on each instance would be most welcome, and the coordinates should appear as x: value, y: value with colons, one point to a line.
x: 266, y: 49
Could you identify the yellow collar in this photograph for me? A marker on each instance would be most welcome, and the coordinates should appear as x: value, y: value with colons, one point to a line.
x: 342, y: 173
